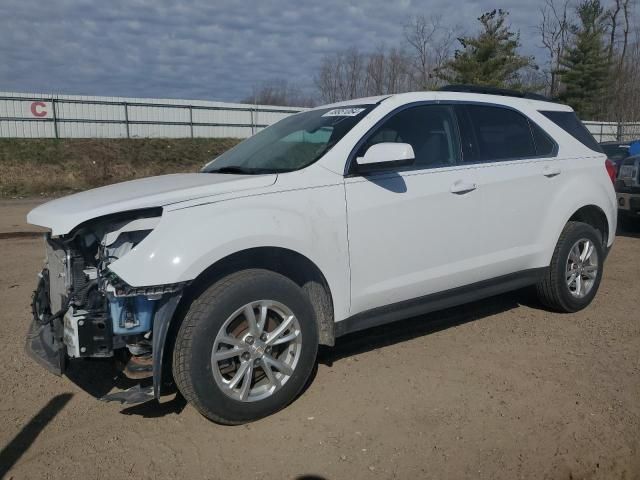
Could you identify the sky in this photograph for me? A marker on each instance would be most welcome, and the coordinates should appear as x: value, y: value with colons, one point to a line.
x: 207, y: 49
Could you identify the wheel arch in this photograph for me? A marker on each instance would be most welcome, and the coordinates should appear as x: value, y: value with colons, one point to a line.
x: 591, y: 213
x: 289, y: 263
x: 594, y: 216
x: 284, y: 261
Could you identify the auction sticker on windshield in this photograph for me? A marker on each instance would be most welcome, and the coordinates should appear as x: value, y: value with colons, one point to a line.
x: 343, y: 112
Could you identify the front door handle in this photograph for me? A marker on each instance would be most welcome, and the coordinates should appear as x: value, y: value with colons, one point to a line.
x: 551, y: 171
x: 461, y: 187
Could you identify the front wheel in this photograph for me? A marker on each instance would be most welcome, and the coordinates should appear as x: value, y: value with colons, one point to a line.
x: 246, y: 347
x: 575, y: 270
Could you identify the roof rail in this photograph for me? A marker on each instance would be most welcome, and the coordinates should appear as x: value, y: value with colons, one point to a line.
x: 495, y: 91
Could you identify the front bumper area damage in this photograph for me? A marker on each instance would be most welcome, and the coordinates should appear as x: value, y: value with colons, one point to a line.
x: 45, y: 344
x: 82, y: 310
x: 51, y: 344
x: 161, y: 378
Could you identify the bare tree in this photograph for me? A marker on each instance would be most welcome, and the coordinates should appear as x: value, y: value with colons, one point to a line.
x: 341, y: 75
x: 625, y: 104
x: 430, y: 44
x: 279, y: 92
x: 612, y: 20
x: 623, y: 7
x: 354, y: 65
x: 351, y: 74
x: 376, y: 72
x: 626, y: 9
x: 624, y: 91
x: 397, y: 72
x: 554, y: 29
x: 328, y: 80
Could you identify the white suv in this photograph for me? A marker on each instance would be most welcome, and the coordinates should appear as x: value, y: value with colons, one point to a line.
x: 333, y: 220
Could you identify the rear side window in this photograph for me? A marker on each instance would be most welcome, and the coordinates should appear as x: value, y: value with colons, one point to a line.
x: 571, y: 124
x: 494, y: 133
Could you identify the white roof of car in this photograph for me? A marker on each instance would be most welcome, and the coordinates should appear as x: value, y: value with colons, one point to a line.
x: 409, y: 97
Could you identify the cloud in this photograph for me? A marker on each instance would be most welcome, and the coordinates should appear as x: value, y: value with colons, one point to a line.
x: 203, y: 49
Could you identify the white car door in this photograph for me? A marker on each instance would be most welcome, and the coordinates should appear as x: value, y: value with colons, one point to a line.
x: 412, y: 231
x: 518, y: 171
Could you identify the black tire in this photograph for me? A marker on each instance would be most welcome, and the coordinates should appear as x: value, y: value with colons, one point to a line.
x: 553, y: 290
x: 192, y: 368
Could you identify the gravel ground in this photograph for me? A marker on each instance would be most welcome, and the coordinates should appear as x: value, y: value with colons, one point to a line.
x: 499, y: 389
x: 13, y: 213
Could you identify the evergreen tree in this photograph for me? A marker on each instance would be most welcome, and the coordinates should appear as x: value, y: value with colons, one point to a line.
x: 490, y: 58
x: 584, y: 69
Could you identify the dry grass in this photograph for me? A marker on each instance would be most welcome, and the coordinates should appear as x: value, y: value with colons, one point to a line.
x: 31, y: 167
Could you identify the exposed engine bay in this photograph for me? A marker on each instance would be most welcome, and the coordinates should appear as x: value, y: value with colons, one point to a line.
x: 81, y: 309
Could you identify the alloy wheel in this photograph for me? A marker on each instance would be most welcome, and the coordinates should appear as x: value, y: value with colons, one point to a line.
x: 256, y: 350
x: 582, y: 268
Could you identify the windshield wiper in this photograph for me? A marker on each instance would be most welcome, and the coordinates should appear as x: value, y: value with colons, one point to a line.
x: 237, y: 170
x: 247, y: 171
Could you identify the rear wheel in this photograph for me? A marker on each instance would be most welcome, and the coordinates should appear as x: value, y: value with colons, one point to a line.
x: 575, y: 270
x: 246, y: 347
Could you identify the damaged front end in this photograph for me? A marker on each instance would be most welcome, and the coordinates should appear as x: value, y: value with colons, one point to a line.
x: 81, y: 309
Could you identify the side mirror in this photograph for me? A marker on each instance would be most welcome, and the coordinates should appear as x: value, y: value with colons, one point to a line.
x: 386, y: 155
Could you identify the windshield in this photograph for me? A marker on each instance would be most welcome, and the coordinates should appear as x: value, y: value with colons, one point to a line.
x: 290, y: 144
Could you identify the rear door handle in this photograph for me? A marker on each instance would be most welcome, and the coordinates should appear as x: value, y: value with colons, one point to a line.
x: 551, y: 171
x: 461, y: 187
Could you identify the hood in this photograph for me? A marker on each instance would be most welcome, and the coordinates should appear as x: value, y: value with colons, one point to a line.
x: 63, y: 214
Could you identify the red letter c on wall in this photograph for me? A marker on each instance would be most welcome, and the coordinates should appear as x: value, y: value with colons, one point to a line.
x: 38, y: 113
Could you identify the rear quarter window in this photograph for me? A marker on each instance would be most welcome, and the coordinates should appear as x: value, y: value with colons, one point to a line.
x: 571, y: 124
x: 545, y: 147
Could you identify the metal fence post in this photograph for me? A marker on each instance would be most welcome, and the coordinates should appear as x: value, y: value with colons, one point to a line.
x: 191, y: 120
x: 256, y: 121
x: 55, y: 118
x: 126, y: 117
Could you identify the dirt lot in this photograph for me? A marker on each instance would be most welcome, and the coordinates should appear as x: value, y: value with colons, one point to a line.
x: 497, y: 389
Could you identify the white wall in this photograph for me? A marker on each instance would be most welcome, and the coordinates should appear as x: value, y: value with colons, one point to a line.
x: 28, y: 115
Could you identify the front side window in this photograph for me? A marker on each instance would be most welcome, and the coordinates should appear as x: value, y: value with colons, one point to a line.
x: 494, y: 133
x: 429, y: 129
x: 290, y: 144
